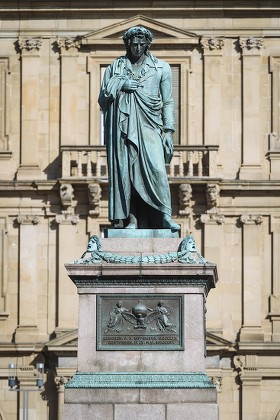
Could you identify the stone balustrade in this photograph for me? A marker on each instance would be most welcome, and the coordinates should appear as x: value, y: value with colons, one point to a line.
x: 90, y: 161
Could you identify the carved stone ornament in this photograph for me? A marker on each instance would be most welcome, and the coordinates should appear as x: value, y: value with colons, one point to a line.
x: 187, y: 254
x: 67, y: 217
x: 66, y: 195
x: 210, y: 44
x: 239, y: 363
x: 68, y: 43
x: 185, y: 196
x: 29, y: 44
x: 94, y: 196
x: 212, y: 218
x: 251, y: 43
x: 251, y: 219
x: 26, y: 219
x: 212, y: 195
x: 60, y: 382
x: 217, y: 381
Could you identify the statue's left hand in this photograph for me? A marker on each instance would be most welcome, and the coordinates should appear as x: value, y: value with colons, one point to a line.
x: 167, y: 140
x: 168, y: 146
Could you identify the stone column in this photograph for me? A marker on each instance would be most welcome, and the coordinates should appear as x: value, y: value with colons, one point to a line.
x: 212, y: 56
x: 66, y: 295
x: 275, y: 296
x: 27, y: 330
x: 30, y: 91
x: 69, y: 90
x: 252, y: 278
x: 251, y: 105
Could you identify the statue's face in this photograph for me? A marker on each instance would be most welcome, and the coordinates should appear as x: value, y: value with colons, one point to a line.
x: 137, y: 47
x: 191, y: 247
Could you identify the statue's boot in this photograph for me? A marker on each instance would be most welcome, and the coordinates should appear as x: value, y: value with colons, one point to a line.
x: 132, y: 222
x: 168, y: 223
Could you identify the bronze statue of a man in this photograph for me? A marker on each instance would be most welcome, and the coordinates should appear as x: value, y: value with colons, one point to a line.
x: 136, y: 98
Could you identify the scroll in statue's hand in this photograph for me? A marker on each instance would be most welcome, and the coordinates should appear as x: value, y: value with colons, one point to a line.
x: 131, y: 85
x: 168, y: 146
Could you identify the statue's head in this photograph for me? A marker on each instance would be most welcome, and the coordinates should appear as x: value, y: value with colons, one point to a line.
x: 188, y: 244
x: 138, y: 32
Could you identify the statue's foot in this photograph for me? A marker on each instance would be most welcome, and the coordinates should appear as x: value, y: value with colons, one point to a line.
x: 132, y: 222
x: 168, y: 223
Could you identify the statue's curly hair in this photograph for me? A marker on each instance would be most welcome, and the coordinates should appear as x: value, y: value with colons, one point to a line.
x: 140, y: 32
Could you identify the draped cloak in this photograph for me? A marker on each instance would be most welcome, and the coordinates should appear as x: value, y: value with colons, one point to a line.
x: 133, y: 127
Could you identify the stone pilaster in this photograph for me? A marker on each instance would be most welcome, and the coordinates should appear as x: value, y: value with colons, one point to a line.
x: 251, y: 105
x: 250, y: 379
x: 27, y: 330
x: 66, y: 293
x: 274, y: 137
x: 3, y: 268
x: 30, y: 91
x: 212, y: 56
x: 69, y: 90
x: 252, y: 278
x: 275, y: 296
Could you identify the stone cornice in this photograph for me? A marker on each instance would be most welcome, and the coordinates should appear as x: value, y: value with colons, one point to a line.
x: 48, y: 6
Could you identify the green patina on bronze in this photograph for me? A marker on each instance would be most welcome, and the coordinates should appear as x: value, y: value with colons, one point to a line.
x: 170, y: 380
x: 186, y: 254
x: 136, y: 99
x: 140, y: 322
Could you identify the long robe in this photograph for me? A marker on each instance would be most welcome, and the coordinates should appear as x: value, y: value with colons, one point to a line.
x: 134, y: 124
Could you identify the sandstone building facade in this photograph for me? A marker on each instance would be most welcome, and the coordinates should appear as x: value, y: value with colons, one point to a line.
x: 224, y: 178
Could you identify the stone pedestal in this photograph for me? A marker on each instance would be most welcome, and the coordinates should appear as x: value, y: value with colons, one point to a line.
x: 141, y: 347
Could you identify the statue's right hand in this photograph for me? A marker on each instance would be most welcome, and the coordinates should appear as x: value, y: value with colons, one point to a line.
x: 131, y: 85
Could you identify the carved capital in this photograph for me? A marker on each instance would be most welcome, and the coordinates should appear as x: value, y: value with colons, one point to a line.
x: 67, y: 218
x: 251, y: 45
x: 212, y: 45
x: 94, y: 197
x: 29, y: 45
x: 239, y: 364
x: 60, y: 382
x: 251, y: 219
x: 68, y: 44
x: 185, y: 196
x: 212, y: 218
x: 28, y: 219
x: 218, y: 382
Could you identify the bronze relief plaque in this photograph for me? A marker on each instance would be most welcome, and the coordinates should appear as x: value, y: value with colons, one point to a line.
x: 140, y: 322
